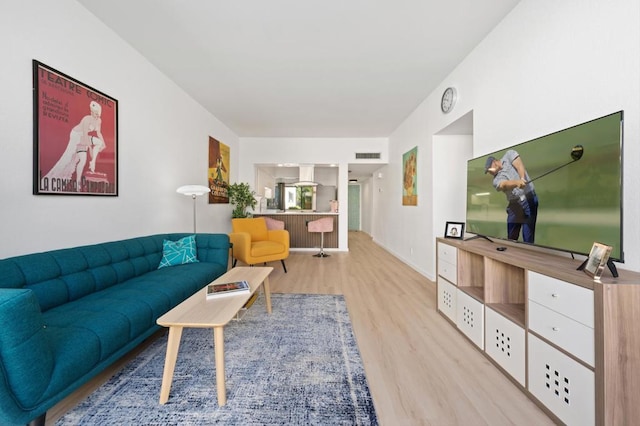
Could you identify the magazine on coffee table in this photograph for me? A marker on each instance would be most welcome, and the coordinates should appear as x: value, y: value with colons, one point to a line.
x: 227, y: 289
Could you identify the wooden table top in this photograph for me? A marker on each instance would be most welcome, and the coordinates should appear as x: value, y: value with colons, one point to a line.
x: 199, y: 312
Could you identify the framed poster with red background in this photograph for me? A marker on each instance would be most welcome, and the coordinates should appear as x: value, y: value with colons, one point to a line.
x: 75, y: 136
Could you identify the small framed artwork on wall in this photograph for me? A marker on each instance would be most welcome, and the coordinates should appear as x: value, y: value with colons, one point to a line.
x: 410, y: 178
x: 219, y: 161
x: 454, y: 230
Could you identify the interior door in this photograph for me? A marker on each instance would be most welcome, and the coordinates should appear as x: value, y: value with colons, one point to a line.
x: 354, y: 207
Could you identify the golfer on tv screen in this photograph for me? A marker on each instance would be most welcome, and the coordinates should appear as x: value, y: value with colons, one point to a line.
x: 510, y: 176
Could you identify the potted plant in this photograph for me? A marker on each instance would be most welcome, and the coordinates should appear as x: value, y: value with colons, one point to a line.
x: 242, y: 197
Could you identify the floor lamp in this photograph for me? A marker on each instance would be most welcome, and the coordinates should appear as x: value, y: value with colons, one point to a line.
x: 194, y: 191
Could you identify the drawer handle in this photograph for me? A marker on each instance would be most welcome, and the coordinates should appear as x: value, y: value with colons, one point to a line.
x: 555, y: 295
x: 555, y: 328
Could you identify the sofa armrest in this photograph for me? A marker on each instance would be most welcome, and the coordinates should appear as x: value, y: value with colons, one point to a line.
x: 26, y: 358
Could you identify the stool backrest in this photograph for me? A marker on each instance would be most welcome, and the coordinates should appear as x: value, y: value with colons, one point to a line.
x: 273, y: 224
x: 324, y: 224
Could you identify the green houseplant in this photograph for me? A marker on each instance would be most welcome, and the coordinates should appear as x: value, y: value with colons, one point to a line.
x: 242, y: 197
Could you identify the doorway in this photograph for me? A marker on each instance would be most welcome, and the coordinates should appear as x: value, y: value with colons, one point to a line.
x: 354, y: 207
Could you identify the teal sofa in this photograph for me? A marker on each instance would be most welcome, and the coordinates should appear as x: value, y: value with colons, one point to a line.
x: 67, y: 314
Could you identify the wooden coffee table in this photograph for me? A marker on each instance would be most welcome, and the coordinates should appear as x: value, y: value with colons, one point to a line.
x: 199, y: 312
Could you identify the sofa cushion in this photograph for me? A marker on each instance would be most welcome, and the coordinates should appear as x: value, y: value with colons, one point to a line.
x: 125, y: 311
x: 179, y: 252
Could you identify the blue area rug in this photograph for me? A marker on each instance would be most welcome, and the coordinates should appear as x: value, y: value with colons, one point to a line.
x: 298, y: 366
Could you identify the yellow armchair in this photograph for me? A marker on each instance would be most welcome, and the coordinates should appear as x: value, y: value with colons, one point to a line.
x: 253, y: 243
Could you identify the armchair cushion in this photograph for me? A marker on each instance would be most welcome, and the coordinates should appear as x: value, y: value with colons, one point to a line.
x: 266, y: 248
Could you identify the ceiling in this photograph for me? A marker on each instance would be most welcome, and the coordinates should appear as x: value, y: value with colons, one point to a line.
x: 305, y: 68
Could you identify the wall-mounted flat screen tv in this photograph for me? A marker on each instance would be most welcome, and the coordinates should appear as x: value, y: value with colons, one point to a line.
x: 561, y: 191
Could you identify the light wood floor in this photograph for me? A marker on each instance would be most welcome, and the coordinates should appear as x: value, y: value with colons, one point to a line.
x: 420, y: 370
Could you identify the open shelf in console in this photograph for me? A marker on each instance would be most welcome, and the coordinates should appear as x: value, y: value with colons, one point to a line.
x: 505, y: 290
x: 471, y: 274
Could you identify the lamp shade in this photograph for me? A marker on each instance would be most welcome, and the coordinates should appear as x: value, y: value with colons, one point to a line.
x: 192, y: 190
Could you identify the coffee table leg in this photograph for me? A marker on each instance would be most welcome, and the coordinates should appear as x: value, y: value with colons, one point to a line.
x: 267, y: 293
x: 173, y: 344
x: 218, y: 347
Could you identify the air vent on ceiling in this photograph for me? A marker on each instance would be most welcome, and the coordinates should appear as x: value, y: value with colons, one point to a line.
x: 367, y: 155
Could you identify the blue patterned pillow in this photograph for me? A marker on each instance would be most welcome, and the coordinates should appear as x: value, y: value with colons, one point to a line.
x: 179, y: 252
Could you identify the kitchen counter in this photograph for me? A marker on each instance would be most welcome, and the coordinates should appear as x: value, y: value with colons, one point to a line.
x: 296, y: 224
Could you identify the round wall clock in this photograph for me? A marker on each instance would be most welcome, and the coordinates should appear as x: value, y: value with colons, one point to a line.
x: 449, y: 98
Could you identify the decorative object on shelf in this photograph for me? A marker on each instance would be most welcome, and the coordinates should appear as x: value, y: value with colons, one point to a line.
x: 194, y: 191
x: 410, y: 178
x: 219, y: 160
x: 75, y: 136
x: 242, y: 197
x: 454, y: 230
x: 449, y: 98
x: 597, y: 260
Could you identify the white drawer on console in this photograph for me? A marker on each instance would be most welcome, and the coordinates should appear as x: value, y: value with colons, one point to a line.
x: 505, y: 344
x: 447, y: 296
x: 448, y: 253
x: 567, y: 299
x: 470, y: 318
x: 563, y: 385
x: 572, y: 336
x: 448, y: 271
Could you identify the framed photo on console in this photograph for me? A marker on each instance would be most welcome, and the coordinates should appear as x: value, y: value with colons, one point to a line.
x: 454, y: 230
x: 597, y: 260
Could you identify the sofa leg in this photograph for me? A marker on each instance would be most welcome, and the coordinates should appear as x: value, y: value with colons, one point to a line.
x: 38, y: 421
x: 283, y: 265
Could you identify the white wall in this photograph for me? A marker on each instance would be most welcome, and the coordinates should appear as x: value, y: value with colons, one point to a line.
x: 452, y: 153
x: 163, y: 136
x: 549, y: 65
x: 339, y: 151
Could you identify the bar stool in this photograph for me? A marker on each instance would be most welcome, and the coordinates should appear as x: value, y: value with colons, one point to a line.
x: 321, y: 225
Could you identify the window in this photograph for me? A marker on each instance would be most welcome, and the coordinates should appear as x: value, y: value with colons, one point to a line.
x: 299, y: 197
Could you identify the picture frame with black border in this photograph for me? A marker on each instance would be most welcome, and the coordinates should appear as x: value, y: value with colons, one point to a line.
x: 454, y: 230
x: 597, y: 260
x: 75, y: 136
